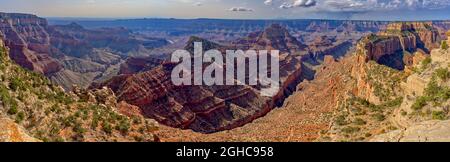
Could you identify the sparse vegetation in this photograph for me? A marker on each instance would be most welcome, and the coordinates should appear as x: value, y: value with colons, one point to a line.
x: 350, y: 130
x: 442, y: 73
x: 433, y: 93
x: 403, y: 113
x: 20, y: 117
x: 439, y: 115
x: 379, y: 117
x: 340, y: 120
x: 420, y: 103
x: 107, y: 127
x: 45, y: 110
x: 444, y: 45
x: 359, y: 121
x: 394, y: 103
x: 426, y: 62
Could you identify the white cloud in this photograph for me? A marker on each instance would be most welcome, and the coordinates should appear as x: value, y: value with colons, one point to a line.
x: 198, y: 4
x: 240, y: 9
x: 362, y: 5
x: 304, y: 3
x: 268, y: 2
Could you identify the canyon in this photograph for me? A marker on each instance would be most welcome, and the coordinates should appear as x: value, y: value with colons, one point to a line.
x: 340, y: 80
x: 392, y: 46
x: 33, y: 109
x: 69, y: 54
x: 207, y: 109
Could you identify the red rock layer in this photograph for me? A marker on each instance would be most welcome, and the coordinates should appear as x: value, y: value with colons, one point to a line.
x: 137, y: 64
x: 402, y: 37
x: 203, y: 109
x: 275, y: 37
x: 29, y: 42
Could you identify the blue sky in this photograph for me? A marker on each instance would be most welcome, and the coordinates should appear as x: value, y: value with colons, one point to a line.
x: 236, y: 9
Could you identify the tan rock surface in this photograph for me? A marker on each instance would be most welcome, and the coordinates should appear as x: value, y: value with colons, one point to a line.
x: 11, y: 132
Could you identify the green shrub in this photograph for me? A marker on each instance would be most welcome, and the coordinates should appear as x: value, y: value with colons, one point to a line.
x: 379, y: 117
x: 13, y: 107
x: 359, y: 121
x: 340, y: 120
x: 69, y: 121
x: 404, y: 113
x: 426, y: 62
x: 55, y: 108
x: 107, y: 127
x: 442, y: 73
x: 419, y: 103
x: 16, y: 84
x: 439, y: 115
x: 78, y: 128
x: 4, y: 95
x: 123, y: 126
x: 444, y: 45
x: 20, y: 117
x: 350, y: 130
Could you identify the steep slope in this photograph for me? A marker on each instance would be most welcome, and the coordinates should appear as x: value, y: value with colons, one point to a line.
x: 423, y: 115
x: 137, y: 64
x: 29, y: 42
x: 205, y: 109
x: 396, y: 46
x: 274, y: 37
x: 387, y: 100
x: 70, y: 51
x: 44, y: 111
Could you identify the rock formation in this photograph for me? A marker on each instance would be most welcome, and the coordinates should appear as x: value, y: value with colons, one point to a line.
x: 70, y: 54
x: 33, y: 109
x: 207, y: 109
x: 423, y: 114
x: 29, y: 42
x: 12, y: 132
x: 138, y: 64
x: 393, y: 46
x: 275, y: 37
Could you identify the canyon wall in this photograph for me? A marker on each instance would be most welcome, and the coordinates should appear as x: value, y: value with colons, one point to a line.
x: 390, y: 47
x: 29, y: 42
x: 70, y: 54
x: 207, y: 109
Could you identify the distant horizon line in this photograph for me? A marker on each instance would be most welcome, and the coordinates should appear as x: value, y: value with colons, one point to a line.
x: 83, y: 18
x: 255, y: 19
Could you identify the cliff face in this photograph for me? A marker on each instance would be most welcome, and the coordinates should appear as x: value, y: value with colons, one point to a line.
x: 203, y: 109
x: 29, y: 42
x: 427, y: 36
x: 33, y: 109
x: 275, y: 37
x: 134, y: 65
x: 423, y: 115
x: 389, y: 47
x: 324, y: 45
x: 70, y: 54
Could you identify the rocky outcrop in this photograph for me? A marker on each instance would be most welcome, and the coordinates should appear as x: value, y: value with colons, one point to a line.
x: 328, y: 46
x: 275, y: 37
x: 393, y: 46
x: 426, y: 101
x: 205, y: 109
x: 202, y: 109
x: 137, y: 64
x: 33, y: 109
x: 427, y: 36
x: 70, y: 50
x: 428, y: 131
x: 12, y: 132
x: 29, y: 42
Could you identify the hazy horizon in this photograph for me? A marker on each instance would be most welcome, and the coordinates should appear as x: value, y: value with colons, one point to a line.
x: 381, y: 10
